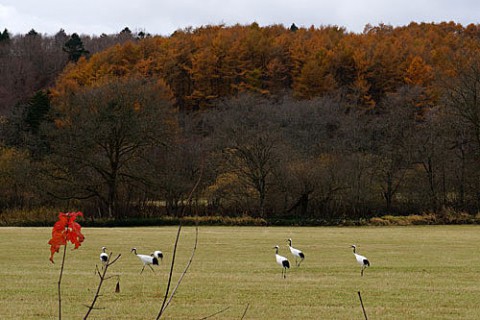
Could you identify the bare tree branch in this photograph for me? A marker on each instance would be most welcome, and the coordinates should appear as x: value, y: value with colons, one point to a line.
x: 164, y: 303
x: 162, y: 309
x: 245, y: 312
x: 186, y: 269
x: 59, y: 284
x: 102, y: 279
x: 363, y: 308
x: 214, y: 314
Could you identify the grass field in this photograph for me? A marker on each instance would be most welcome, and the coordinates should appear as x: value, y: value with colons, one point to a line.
x: 421, y: 272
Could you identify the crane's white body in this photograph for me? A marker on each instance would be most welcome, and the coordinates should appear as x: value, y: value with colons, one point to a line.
x: 146, y: 260
x: 296, y: 253
x: 362, y: 261
x: 282, y: 262
x: 104, y: 256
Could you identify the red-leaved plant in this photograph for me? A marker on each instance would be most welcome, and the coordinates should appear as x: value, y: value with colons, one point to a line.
x: 64, y: 230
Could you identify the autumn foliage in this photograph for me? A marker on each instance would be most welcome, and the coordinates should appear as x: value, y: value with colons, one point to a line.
x: 204, y: 64
x: 313, y: 122
x: 65, y: 230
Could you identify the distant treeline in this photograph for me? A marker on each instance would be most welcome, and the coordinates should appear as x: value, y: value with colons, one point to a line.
x: 274, y: 122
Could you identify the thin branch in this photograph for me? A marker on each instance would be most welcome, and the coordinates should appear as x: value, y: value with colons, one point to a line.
x: 96, y: 308
x: 245, y: 312
x: 184, y: 271
x: 162, y: 309
x: 189, y: 198
x: 164, y: 303
x: 214, y: 314
x: 102, y: 279
x: 363, y: 308
x: 59, y: 284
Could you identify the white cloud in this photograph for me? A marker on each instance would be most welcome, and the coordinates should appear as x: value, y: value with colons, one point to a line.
x: 164, y: 17
x: 16, y: 21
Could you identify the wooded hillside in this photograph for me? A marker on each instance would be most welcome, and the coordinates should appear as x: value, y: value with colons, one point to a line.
x: 202, y: 65
x: 279, y: 122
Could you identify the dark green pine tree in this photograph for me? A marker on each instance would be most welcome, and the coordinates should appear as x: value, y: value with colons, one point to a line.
x: 35, y: 115
x: 32, y: 33
x: 36, y: 111
x: 23, y: 126
x: 74, y: 48
x: 4, y: 36
x: 126, y: 30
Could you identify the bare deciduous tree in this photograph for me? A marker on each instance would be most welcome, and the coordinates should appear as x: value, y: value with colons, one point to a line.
x: 102, y: 136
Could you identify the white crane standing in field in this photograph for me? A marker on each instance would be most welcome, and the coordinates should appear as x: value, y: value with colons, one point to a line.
x: 282, y: 262
x: 296, y: 253
x: 362, y: 261
x: 104, y: 256
x: 146, y: 260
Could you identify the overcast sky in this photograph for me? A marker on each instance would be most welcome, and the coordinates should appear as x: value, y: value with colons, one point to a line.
x: 162, y: 17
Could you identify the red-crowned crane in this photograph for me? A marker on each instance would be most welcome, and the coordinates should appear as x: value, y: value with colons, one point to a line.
x: 146, y: 260
x: 362, y: 261
x: 282, y: 262
x: 296, y: 253
x: 104, y: 256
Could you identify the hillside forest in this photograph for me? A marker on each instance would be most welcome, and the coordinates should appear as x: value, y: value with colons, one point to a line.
x: 272, y: 122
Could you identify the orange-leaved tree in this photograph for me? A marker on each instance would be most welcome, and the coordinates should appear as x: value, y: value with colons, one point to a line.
x: 65, y: 230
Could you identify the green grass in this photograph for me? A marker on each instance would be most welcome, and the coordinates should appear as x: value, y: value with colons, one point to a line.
x: 417, y: 272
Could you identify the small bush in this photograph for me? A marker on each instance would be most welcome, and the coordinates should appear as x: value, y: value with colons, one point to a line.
x: 379, y: 221
x: 423, y: 219
x: 414, y: 219
x: 449, y: 215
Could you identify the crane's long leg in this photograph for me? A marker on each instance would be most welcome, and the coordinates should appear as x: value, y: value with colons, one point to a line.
x: 362, y: 271
x: 142, y: 269
x: 151, y: 268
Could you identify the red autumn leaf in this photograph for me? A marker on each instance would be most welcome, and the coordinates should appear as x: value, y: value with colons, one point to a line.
x: 64, y: 230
